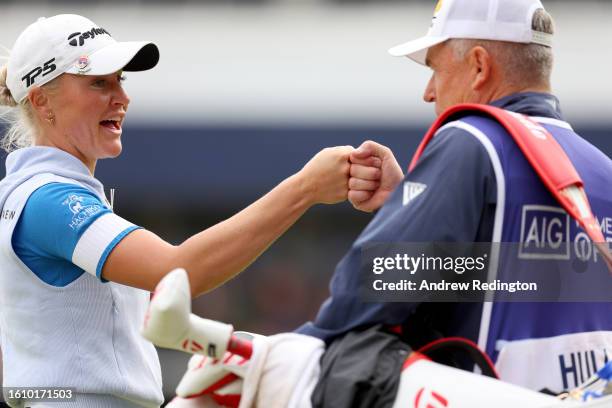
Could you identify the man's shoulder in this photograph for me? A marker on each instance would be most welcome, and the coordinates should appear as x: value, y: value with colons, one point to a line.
x: 460, y: 138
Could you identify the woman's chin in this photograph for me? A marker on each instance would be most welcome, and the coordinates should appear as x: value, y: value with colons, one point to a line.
x: 113, y: 150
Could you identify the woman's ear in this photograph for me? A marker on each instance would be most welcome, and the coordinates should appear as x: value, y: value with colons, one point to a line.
x: 39, y: 100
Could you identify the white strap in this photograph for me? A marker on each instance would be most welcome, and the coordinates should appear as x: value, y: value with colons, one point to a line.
x: 541, y: 38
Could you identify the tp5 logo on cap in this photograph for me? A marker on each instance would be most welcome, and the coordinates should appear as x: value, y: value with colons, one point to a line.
x: 47, y: 68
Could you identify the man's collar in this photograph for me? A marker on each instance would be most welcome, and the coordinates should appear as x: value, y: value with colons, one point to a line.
x: 531, y: 104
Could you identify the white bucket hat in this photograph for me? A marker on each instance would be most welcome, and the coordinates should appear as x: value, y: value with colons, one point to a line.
x: 499, y: 20
x: 68, y: 43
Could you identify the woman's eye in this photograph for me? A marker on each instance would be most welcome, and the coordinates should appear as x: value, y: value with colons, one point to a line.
x: 99, y: 83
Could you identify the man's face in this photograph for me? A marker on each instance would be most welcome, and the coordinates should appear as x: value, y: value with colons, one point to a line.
x: 450, y: 81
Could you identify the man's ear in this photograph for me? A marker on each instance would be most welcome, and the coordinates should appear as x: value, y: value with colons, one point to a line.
x: 480, y: 62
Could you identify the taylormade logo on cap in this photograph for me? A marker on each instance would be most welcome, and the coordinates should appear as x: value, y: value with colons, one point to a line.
x: 69, y: 43
x: 84, y: 36
x: 498, y: 20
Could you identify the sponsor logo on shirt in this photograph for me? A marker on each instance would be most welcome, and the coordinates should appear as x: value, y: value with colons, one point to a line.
x: 7, y: 214
x: 545, y: 234
x: 412, y: 191
x: 81, y: 209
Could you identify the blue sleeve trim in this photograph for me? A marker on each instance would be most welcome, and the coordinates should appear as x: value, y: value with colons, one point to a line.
x: 52, y: 221
x: 110, y: 247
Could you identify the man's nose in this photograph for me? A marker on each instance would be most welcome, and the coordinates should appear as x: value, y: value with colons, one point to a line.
x: 430, y: 94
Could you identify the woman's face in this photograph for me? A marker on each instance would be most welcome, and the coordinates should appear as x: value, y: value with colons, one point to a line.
x: 89, y: 112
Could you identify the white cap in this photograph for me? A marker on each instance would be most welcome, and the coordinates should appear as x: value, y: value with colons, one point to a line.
x: 499, y: 20
x: 68, y: 43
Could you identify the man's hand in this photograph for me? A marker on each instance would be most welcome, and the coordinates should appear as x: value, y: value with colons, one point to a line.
x: 374, y: 175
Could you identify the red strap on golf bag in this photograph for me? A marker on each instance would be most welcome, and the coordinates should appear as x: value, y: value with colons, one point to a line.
x: 545, y: 156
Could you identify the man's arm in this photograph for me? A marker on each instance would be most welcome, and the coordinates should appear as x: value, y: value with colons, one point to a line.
x: 456, y: 191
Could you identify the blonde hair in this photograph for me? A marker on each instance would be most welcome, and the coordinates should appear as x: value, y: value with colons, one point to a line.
x: 19, y: 117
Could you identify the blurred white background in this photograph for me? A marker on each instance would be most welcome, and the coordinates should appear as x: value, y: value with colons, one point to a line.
x: 305, y: 61
x: 237, y: 77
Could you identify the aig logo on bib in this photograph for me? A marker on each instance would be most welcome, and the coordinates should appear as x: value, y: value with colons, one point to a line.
x: 545, y: 233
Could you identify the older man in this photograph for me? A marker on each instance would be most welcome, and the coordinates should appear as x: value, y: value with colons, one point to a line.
x: 472, y: 184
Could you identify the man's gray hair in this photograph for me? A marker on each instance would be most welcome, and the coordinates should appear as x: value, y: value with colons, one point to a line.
x: 523, y: 64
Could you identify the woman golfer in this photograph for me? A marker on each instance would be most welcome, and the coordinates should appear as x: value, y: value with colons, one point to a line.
x: 75, y: 277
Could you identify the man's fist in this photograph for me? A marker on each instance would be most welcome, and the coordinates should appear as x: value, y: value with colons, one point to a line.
x: 374, y: 175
